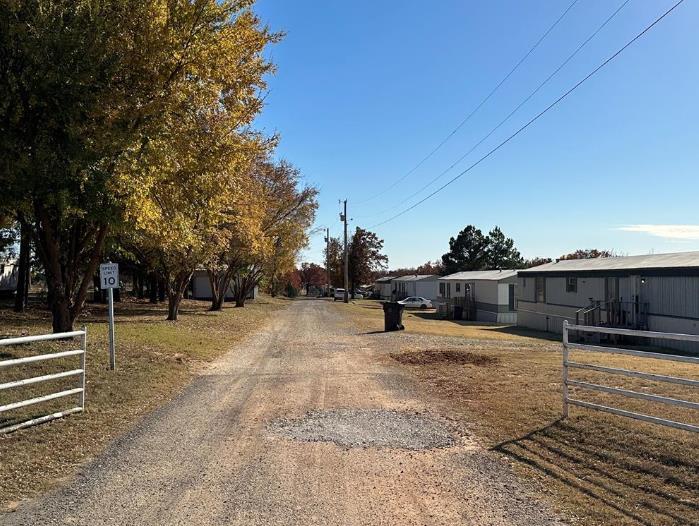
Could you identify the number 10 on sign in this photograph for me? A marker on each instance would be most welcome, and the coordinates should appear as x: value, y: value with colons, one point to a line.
x: 109, y: 279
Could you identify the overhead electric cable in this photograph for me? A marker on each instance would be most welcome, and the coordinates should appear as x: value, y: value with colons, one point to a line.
x: 535, y: 118
x: 515, y: 110
x: 475, y: 110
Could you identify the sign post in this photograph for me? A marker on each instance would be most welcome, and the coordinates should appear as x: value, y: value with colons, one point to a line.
x: 109, y: 279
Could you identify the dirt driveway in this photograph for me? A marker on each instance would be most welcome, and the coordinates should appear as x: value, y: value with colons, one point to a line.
x: 306, y: 422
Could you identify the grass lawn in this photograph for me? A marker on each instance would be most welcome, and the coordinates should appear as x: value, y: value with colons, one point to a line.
x: 593, y: 467
x: 155, y: 358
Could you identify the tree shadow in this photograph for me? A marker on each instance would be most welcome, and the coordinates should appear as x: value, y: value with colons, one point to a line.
x: 610, y: 469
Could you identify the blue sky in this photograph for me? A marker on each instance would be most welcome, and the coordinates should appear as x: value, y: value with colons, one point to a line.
x: 365, y: 89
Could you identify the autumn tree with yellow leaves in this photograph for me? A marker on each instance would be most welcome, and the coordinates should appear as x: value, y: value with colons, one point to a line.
x: 129, y: 119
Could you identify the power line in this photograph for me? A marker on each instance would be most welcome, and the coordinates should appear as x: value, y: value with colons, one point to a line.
x: 475, y: 110
x: 515, y: 110
x: 535, y: 118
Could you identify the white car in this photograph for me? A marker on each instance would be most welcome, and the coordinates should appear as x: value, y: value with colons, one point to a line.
x: 339, y: 294
x: 416, y: 302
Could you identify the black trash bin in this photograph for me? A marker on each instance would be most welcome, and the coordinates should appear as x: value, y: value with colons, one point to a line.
x: 458, y: 312
x: 393, y: 316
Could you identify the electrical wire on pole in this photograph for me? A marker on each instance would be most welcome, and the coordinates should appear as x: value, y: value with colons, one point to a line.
x: 474, y: 110
x: 509, y: 115
x: 535, y: 118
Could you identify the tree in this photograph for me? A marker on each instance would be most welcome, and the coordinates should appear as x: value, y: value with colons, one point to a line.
x: 334, y: 256
x: 588, y: 253
x: 468, y: 251
x: 535, y: 262
x: 365, y: 257
x: 430, y: 267
x: 501, y: 251
x: 287, y: 210
x: 311, y: 275
x: 87, y: 88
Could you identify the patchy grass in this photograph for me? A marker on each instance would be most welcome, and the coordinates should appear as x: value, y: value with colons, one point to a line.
x: 369, y: 313
x: 435, y: 356
x: 595, y: 468
x: 155, y: 358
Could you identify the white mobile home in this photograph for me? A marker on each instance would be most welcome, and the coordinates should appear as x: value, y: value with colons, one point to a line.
x: 491, y: 293
x: 423, y: 285
x: 657, y: 292
x: 201, y: 287
x: 8, y: 275
x: 383, y: 287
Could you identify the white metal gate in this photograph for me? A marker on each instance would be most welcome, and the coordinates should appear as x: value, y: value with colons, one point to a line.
x: 568, y: 364
x: 19, y: 362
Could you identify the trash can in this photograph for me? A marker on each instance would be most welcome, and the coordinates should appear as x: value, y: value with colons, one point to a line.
x: 458, y: 312
x: 393, y: 316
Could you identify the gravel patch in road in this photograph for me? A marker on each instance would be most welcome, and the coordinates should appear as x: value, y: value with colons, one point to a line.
x: 367, y: 428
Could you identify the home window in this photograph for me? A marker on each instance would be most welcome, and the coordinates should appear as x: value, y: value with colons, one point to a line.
x: 511, y: 297
x: 571, y: 284
x: 441, y: 289
x: 540, y: 285
x: 458, y: 287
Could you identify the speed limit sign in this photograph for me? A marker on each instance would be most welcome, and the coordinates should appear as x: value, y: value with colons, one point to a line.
x: 109, y: 276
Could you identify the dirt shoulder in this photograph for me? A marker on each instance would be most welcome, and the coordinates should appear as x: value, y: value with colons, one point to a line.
x: 155, y: 359
x: 506, y: 387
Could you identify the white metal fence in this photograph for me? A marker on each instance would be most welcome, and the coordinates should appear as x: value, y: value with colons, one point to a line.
x: 568, y: 364
x: 19, y: 362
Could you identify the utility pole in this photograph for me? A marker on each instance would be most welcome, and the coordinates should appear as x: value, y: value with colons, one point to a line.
x: 327, y: 260
x: 343, y: 218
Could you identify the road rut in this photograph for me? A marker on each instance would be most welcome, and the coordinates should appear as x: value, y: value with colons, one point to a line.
x: 209, y: 458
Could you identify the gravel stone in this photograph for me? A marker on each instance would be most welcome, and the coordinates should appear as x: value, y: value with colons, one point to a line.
x: 367, y: 428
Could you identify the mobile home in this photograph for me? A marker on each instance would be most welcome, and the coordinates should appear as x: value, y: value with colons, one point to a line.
x: 8, y: 276
x: 491, y: 293
x: 656, y: 292
x: 201, y: 287
x: 383, y: 287
x: 423, y: 285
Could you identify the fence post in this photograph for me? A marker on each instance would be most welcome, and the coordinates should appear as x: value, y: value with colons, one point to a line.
x: 565, y: 368
x: 83, y: 362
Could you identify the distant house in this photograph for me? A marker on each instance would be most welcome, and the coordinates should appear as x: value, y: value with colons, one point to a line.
x: 383, y: 287
x: 657, y: 292
x: 423, y: 285
x: 490, y: 293
x: 201, y: 287
x: 8, y: 275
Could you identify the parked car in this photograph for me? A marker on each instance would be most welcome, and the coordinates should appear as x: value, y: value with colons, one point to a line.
x: 358, y: 294
x: 339, y: 294
x: 416, y: 302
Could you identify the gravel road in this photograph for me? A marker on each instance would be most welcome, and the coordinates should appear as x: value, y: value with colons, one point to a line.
x: 283, y: 430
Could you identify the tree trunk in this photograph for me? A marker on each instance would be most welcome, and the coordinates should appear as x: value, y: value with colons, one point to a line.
x: 175, y: 292
x: 63, y: 255
x: 152, y: 288
x: 60, y: 310
x: 219, y: 281
x: 173, y: 306
x: 139, y: 287
x: 22, y: 295
x: 162, y: 286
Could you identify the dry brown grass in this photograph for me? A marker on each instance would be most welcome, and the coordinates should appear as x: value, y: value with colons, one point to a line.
x: 594, y: 467
x: 155, y: 358
x: 443, y: 356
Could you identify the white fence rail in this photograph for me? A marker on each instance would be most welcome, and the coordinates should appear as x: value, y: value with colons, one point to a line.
x: 19, y: 362
x: 568, y: 364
